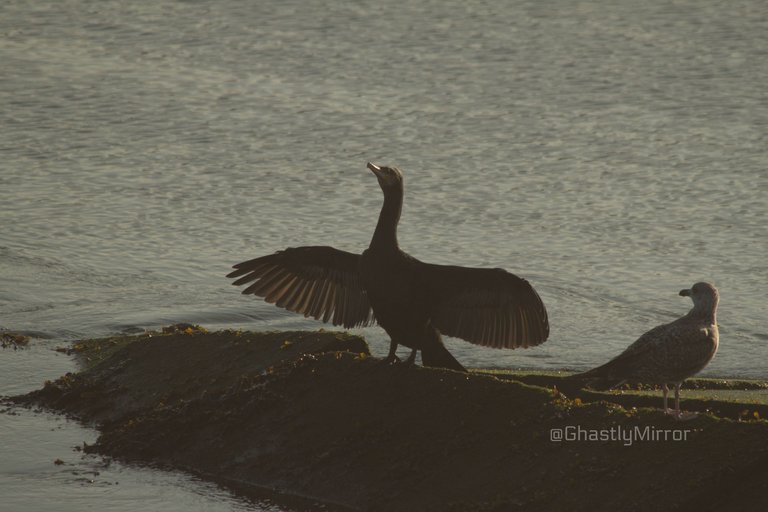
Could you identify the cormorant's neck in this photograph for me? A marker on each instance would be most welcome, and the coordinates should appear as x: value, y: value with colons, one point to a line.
x: 385, y: 236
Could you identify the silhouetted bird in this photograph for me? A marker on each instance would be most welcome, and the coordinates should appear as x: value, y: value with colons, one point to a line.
x: 413, y: 301
x: 669, y: 353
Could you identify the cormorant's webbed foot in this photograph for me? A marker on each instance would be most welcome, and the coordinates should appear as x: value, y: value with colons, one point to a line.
x: 392, y: 356
x: 411, y: 359
x: 390, y: 359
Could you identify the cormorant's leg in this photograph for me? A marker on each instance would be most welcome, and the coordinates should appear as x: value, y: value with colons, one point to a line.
x: 411, y: 358
x: 391, y: 357
x: 666, y: 392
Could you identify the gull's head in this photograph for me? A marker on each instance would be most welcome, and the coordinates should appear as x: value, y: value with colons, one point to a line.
x: 704, y: 296
x: 390, y: 178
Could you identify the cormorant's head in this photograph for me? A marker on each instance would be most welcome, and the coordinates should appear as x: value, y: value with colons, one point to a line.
x: 390, y: 178
x: 703, y: 295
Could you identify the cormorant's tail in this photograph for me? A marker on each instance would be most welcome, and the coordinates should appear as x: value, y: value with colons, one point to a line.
x: 436, y: 355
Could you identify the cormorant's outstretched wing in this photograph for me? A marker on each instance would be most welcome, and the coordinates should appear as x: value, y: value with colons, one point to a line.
x: 321, y: 282
x: 489, y: 307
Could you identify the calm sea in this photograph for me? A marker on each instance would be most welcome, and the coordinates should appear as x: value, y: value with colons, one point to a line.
x: 612, y: 153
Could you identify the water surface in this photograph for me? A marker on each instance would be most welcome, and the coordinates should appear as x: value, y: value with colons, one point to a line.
x: 610, y: 152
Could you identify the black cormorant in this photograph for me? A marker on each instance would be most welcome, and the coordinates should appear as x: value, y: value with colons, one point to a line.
x: 413, y: 301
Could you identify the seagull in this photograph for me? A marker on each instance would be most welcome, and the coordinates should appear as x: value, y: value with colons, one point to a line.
x: 670, y: 353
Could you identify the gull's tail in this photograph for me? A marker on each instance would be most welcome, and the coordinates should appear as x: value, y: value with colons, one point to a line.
x: 603, y: 377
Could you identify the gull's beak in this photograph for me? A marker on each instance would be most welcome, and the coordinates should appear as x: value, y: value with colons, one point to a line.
x: 685, y: 293
x: 375, y: 168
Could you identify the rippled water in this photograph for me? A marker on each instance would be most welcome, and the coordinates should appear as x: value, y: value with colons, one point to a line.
x: 31, y: 443
x: 31, y: 481
x: 610, y: 152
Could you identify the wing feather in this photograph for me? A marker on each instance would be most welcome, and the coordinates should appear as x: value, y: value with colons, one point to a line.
x: 489, y: 307
x: 317, y: 281
x: 280, y: 288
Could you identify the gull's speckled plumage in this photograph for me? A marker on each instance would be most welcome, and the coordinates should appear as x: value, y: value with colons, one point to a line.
x: 669, y: 353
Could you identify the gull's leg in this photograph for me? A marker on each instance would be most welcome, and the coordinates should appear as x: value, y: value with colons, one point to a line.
x: 411, y: 358
x: 391, y: 357
x: 680, y: 415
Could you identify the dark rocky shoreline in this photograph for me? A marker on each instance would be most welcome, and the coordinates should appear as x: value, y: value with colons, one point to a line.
x: 312, y: 415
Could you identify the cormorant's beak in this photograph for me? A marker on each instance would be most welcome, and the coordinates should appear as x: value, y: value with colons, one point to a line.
x: 685, y: 293
x: 375, y: 168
